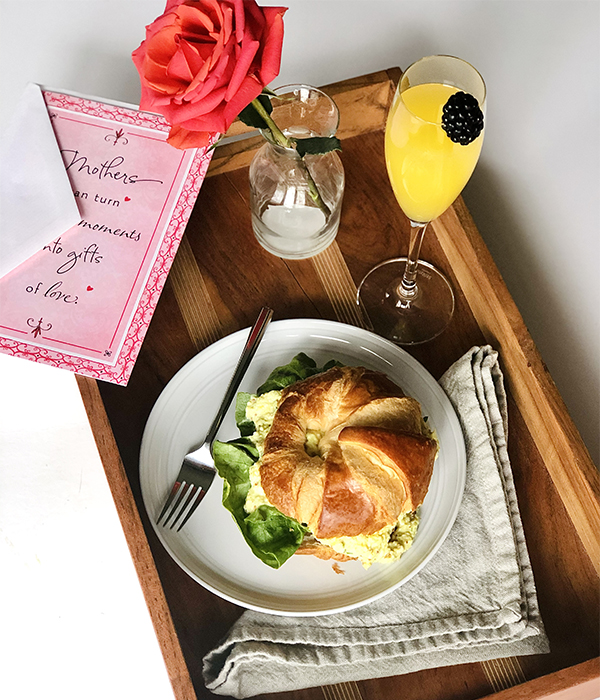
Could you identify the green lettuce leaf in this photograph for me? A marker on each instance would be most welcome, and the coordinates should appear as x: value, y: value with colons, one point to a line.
x: 271, y: 535
x: 245, y: 425
x: 274, y: 536
x: 301, y: 367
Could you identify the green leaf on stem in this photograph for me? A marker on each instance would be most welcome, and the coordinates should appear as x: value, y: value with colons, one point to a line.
x: 317, y: 145
x: 251, y: 117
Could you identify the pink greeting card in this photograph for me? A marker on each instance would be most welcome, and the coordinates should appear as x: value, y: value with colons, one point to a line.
x: 84, y: 302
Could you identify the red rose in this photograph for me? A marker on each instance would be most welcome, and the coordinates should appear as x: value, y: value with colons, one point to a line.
x: 203, y: 61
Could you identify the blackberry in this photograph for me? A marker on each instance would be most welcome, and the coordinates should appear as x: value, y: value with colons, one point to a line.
x: 462, y: 118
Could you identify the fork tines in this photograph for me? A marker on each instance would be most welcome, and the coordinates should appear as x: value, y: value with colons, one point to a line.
x: 178, y: 494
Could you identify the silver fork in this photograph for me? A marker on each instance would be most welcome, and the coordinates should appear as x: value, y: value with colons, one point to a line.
x: 198, y: 469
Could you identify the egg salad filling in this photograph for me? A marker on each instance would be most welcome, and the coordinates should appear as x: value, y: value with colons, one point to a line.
x: 386, y: 545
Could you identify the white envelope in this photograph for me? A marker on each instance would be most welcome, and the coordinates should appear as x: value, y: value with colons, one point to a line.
x: 36, y: 200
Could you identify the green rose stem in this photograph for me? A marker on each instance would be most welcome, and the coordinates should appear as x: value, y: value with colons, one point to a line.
x: 282, y: 140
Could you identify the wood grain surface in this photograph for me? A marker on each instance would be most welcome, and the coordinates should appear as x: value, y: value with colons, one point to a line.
x: 219, y: 281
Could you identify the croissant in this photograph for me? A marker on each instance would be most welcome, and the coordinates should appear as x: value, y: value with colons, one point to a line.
x: 346, y: 455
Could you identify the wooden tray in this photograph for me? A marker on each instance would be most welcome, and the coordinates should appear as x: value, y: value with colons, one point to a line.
x: 220, y: 279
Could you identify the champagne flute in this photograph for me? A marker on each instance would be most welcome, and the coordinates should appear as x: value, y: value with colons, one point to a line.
x: 433, y: 137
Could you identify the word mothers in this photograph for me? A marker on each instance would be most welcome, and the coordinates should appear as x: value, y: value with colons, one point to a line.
x: 133, y: 235
x: 109, y: 169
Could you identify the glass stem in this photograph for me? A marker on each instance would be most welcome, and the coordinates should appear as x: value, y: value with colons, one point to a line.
x: 408, y: 287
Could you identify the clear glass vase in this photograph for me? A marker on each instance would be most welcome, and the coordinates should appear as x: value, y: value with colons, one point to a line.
x: 296, y: 202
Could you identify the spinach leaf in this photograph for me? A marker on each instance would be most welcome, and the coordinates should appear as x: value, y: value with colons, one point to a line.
x: 275, y: 536
x: 245, y: 426
x: 301, y: 367
x: 271, y: 535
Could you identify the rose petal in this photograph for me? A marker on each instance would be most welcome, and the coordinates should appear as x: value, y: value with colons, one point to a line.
x: 182, y: 138
x: 161, y: 46
x: 165, y: 20
x: 218, y: 77
x: 171, y: 4
x: 215, y: 6
x: 255, y: 18
x: 240, y: 7
x: 202, y: 65
x: 214, y: 81
x: 213, y: 123
x: 137, y: 57
x: 176, y: 114
x: 155, y: 76
x: 157, y: 79
x: 272, y: 44
x: 216, y: 53
x: 152, y: 101
x: 195, y: 57
x: 226, y: 25
x: 243, y: 62
x: 148, y: 100
x: 249, y: 90
x: 179, y: 67
x: 194, y: 20
x: 222, y: 37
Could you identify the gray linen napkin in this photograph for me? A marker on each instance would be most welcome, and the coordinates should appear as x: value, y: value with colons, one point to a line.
x: 474, y: 601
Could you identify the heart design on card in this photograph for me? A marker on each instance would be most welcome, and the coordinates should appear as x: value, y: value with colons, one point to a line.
x: 127, y: 199
x: 89, y: 289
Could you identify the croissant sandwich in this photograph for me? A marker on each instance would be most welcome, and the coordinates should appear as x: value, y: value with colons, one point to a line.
x: 343, y: 460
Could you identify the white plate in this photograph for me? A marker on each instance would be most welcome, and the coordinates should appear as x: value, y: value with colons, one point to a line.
x: 211, y: 549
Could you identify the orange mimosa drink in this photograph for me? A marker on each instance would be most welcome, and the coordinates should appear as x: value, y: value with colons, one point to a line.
x: 427, y: 169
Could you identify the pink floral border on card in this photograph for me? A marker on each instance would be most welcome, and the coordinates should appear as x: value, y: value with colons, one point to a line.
x: 119, y: 371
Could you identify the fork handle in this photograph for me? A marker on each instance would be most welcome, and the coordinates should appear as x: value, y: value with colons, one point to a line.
x: 256, y: 334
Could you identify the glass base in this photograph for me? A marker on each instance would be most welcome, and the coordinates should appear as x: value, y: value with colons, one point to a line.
x: 418, y: 320
x: 295, y: 233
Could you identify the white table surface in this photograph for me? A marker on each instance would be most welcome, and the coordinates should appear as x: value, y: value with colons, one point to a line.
x: 74, y: 622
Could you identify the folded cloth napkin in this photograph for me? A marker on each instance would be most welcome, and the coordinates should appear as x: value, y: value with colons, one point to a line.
x: 474, y: 601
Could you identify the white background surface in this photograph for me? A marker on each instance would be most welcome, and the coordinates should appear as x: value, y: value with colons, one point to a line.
x: 74, y: 624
